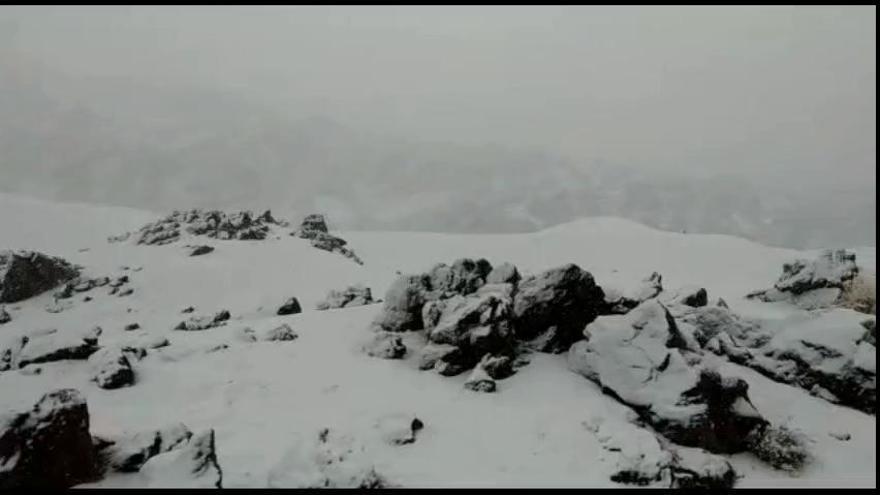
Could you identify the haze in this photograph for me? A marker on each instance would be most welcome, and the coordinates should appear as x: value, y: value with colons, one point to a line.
x: 758, y: 122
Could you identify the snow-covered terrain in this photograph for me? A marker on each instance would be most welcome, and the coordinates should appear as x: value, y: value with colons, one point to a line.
x: 268, y: 400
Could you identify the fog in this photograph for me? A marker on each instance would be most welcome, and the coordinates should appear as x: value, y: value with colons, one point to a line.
x: 758, y: 122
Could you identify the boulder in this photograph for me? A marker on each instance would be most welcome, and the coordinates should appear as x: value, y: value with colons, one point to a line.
x: 642, y: 360
x: 200, y: 250
x: 290, y: 307
x: 193, y: 465
x: 552, y: 308
x: 621, y: 303
x: 196, y: 323
x: 24, y: 274
x: 281, y: 333
x: 464, y: 277
x: 132, y: 326
x: 48, y: 447
x: 402, y: 309
x: 355, y: 295
x: 112, y: 368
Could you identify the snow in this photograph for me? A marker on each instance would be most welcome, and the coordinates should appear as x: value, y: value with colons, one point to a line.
x: 267, y: 401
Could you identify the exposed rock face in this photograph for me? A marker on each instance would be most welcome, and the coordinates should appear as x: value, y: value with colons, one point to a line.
x: 812, y: 284
x: 193, y: 465
x: 48, y: 446
x: 129, y: 454
x: 290, y: 307
x: 204, y: 322
x: 554, y: 306
x: 25, y: 274
x: 112, y: 368
x: 355, y: 295
x: 241, y: 225
x: 643, y: 360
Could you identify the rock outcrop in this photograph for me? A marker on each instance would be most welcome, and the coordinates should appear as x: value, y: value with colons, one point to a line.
x: 240, y: 225
x: 314, y: 228
x: 48, y: 447
x: 643, y: 360
x: 24, y: 274
x: 812, y: 284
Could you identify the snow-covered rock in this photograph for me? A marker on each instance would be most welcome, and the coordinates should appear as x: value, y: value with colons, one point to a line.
x: 129, y: 453
x: 281, y: 333
x: 329, y: 460
x: 385, y: 345
x: 355, y: 295
x: 48, y: 446
x: 4, y: 316
x: 195, y: 323
x: 642, y: 360
x: 24, y: 274
x: 402, y: 307
x: 619, y: 302
x: 241, y: 225
x: 193, y: 465
x: 812, y: 284
x: 505, y: 273
x: 112, y: 368
x: 57, y: 346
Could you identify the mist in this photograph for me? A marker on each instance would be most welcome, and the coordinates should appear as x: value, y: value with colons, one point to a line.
x: 757, y: 122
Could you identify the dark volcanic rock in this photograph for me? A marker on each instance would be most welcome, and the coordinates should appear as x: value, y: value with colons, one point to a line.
x: 200, y: 250
x: 24, y: 274
x: 290, y: 307
x: 49, y: 446
x: 554, y: 306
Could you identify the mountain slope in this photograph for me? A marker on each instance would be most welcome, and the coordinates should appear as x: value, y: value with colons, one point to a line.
x: 261, y: 397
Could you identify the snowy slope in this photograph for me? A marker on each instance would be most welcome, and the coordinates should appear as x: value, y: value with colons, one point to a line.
x: 260, y: 397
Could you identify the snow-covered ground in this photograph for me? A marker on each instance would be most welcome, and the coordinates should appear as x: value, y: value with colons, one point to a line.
x: 262, y: 398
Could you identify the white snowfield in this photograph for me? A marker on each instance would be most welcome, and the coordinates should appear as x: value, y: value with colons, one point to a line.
x: 266, y: 400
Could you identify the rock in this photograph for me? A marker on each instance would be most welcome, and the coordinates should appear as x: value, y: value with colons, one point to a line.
x: 694, y: 297
x: 280, y: 334
x: 476, y: 325
x: 311, y: 226
x: 709, y: 321
x: 132, y: 326
x: 200, y: 250
x: 497, y: 367
x: 355, y: 295
x: 385, y: 345
x: 402, y: 309
x: 642, y: 360
x: 127, y: 292
x: 188, y: 309
x: 813, y: 284
x: 505, y: 273
x: 118, y: 281
x: 480, y: 381
x: 327, y: 461
x: 241, y: 225
x: 779, y: 446
x: 431, y: 354
x: 870, y: 335
x: 4, y: 316
x: 621, y: 303
x: 399, y: 429
x: 48, y: 447
x: 10, y: 350
x: 193, y: 465
x: 204, y: 322
x: 111, y: 368
x: 840, y: 435
x: 290, y: 307
x: 128, y: 454
x: 55, y: 347
x: 553, y: 307
x: 464, y: 277
x: 24, y: 274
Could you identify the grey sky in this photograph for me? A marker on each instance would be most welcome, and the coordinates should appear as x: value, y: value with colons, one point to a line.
x: 770, y: 89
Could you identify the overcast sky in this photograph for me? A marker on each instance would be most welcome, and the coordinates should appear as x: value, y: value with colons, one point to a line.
x: 774, y: 89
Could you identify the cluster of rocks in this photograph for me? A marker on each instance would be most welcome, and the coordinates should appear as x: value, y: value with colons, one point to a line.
x: 216, y: 224
x: 476, y: 317
x: 314, y: 228
x: 24, y: 274
x: 118, y: 286
x: 50, y: 446
x: 355, y: 295
x: 812, y: 284
x: 195, y: 323
x: 281, y: 333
